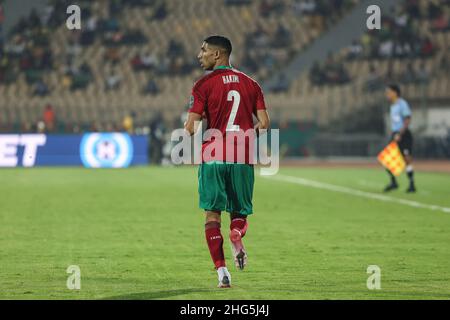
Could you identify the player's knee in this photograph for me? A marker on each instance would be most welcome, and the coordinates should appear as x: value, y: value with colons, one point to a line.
x: 212, y: 217
x: 212, y: 225
x: 238, y: 216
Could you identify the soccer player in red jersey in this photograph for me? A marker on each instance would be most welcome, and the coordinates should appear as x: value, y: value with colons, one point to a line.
x: 229, y: 100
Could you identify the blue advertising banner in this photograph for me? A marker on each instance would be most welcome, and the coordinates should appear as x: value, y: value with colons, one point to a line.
x: 91, y: 150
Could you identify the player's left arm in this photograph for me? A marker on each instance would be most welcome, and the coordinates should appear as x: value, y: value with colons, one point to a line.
x: 261, y: 111
x: 263, y: 120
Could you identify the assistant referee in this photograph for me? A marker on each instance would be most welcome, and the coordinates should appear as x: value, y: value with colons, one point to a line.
x: 400, y: 115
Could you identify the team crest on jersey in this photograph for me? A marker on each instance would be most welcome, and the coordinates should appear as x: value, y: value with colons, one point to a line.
x: 191, y: 101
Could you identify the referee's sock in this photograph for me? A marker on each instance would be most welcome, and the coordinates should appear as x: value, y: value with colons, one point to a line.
x: 393, y: 180
x: 410, y: 173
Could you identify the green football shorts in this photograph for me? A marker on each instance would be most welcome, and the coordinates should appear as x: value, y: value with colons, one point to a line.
x: 226, y: 187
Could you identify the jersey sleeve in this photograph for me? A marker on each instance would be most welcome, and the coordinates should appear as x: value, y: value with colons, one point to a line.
x: 406, y: 110
x: 197, y: 101
x: 260, y: 103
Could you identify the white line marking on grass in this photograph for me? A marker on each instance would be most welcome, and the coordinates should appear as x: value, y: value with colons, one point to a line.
x: 374, y: 185
x: 369, y: 184
x: 355, y: 192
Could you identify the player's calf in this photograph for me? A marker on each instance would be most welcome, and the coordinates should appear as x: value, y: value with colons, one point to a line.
x: 238, y: 228
x: 215, y: 243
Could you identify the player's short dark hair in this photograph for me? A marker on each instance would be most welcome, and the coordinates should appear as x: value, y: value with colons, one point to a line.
x: 221, y: 42
x: 395, y: 88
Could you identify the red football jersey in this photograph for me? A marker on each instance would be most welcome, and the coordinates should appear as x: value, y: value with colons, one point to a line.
x: 229, y: 99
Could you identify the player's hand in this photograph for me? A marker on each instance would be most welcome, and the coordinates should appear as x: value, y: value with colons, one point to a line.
x: 397, y: 137
x: 256, y: 128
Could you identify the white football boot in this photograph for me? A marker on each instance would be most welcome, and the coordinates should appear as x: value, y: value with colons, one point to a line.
x: 224, y: 277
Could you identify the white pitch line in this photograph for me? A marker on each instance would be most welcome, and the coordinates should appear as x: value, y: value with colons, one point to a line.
x: 355, y: 192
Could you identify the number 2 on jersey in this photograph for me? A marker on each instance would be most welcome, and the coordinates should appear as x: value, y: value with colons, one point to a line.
x: 234, y: 96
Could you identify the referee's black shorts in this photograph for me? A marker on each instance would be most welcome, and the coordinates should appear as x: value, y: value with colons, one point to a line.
x: 406, y: 142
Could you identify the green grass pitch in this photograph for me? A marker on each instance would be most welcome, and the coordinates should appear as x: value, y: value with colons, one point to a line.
x: 138, y: 234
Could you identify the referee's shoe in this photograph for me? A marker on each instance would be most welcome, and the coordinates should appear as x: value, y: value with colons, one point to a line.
x: 392, y: 186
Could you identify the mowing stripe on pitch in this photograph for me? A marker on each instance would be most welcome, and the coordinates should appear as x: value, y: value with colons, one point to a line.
x: 355, y: 192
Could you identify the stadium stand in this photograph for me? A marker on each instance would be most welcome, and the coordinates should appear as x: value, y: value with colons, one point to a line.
x: 139, y: 56
x: 412, y: 48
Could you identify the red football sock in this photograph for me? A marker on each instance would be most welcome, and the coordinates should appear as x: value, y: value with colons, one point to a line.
x: 239, y: 224
x: 215, y: 243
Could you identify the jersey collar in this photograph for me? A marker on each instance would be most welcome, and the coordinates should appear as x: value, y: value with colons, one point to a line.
x: 223, y: 67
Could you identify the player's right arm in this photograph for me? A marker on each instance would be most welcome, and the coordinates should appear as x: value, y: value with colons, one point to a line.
x: 192, y: 122
x: 196, y: 110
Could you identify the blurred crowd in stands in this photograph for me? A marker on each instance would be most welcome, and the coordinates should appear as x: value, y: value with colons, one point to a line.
x: 400, y: 37
x: 2, y: 19
x: 28, y: 48
x: 267, y: 50
x: 332, y: 71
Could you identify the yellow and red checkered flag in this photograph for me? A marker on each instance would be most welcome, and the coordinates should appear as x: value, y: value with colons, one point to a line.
x: 392, y: 159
